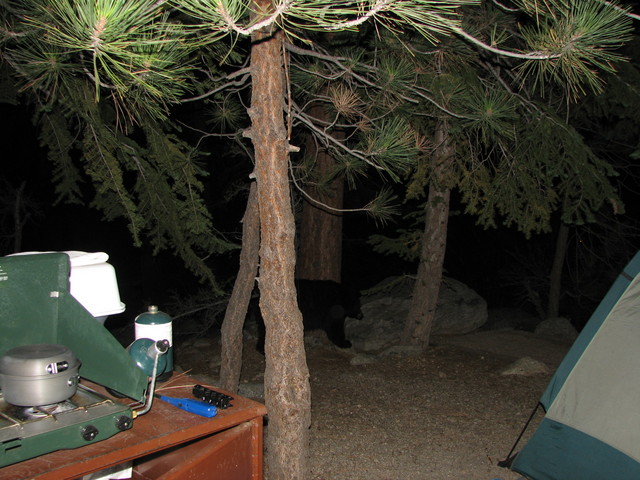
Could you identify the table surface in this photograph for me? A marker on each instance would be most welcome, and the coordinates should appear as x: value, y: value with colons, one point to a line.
x: 162, y: 427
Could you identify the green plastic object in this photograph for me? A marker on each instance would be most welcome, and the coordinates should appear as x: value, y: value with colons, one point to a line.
x: 36, y: 307
x: 143, y: 353
x: 35, y: 438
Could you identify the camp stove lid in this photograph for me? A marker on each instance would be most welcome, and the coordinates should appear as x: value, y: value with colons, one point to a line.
x: 38, y: 360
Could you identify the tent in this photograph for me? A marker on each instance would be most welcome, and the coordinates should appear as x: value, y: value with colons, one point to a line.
x: 591, y: 427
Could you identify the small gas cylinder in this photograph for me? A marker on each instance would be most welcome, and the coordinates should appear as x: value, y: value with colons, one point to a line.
x: 143, y: 351
x: 157, y: 325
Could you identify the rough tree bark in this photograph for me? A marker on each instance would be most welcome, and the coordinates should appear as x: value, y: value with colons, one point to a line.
x: 286, y: 380
x: 422, y: 311
x: 231, y: 330
x: 320, y: 235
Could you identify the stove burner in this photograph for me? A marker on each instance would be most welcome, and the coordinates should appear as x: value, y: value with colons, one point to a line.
x: 28, y: 432
x: 35, y: 413
x: 28, y: 413
x: 32, y: 413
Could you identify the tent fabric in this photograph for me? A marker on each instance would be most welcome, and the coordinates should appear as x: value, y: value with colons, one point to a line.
x: 592, y: 425
x: 588, y: 332
x: 558, y: 452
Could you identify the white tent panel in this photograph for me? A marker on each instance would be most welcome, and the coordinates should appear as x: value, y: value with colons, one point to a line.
x: 601, y: 396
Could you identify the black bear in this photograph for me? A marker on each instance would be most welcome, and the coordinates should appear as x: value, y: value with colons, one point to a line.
x: 324, y: 305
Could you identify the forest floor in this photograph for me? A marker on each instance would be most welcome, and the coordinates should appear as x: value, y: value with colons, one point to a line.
x: 446, y: 414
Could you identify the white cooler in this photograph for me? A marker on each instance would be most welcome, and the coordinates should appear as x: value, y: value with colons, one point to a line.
x: 93, y: 283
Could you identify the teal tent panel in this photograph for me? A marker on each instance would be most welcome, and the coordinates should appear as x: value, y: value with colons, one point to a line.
x: 551, y: 452
x: 601, y: 395
x: 589, y: 331
x: 591, y: 430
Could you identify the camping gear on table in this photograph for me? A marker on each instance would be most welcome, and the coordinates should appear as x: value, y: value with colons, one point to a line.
x: 92, y: 282
x: 36, y: 375
x: 156, y: 325
x: 591, y: 429
x: 41, y: 323
x: 212, y: 397
x: 190, y: 405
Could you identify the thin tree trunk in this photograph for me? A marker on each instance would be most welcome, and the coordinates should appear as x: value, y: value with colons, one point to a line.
x: 422, y: 311
x: 231, y: 330
x: 286, y: 380
x: 19, y: 222
x: 320, y: 236
x: 555, y: 277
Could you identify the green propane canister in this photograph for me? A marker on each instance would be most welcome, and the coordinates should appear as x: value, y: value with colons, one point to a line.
x: 157, y: 325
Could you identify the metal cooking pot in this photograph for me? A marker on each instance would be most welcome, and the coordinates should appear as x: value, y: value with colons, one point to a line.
x: 41, y: 374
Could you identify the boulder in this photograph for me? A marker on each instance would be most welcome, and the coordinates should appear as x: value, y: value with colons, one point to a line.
x: 526, y: 367
x: 460, y: 310
x: 514, y: 318
x: 559, y: 329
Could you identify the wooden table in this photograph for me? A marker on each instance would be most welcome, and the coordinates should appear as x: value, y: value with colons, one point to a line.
x: 166, y: 444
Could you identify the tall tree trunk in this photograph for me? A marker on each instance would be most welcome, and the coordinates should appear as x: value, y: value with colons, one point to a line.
x: 555, y: 277
x: 286, y: 380
x: 422, y: 311
x: 18, y: 221
x: 320, y: 237
x: 231, y: 330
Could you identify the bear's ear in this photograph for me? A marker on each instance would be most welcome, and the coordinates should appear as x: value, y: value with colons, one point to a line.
x: 337, y: 312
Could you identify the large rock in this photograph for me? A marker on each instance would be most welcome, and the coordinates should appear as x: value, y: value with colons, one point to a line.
x: 460, y: 310
x: 557, y: 328
x: 526, y: 367
x: 510, y: 318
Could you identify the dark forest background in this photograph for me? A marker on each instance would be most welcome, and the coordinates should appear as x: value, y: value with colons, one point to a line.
x: 504, y: 266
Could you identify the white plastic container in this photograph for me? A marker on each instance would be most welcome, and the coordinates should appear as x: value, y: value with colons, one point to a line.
x: 93, y: 283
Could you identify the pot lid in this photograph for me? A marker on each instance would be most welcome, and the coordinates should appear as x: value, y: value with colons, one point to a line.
x: 38, y: 360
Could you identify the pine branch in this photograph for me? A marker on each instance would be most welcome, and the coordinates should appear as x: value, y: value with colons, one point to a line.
x: 624, y: 11
x: 341, y: 62
x: 228, y: 82
x: 505, y: 53
x: 426, y: 16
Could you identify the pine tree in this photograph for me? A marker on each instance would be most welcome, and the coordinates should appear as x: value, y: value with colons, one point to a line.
x: 517, y: 160
x: 104, y: 68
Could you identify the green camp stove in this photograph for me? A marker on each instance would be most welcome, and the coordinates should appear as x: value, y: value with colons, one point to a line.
x: 37, y: 307
x: 87, y: 417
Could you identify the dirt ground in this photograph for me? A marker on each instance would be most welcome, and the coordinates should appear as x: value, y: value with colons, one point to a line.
x: 446, y: 414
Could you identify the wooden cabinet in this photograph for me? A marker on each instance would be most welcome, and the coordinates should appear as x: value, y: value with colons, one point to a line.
x: 166, y: 444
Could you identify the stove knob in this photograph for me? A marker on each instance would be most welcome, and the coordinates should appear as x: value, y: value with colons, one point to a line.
x: 123, y: 422
x: 89, y: 432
